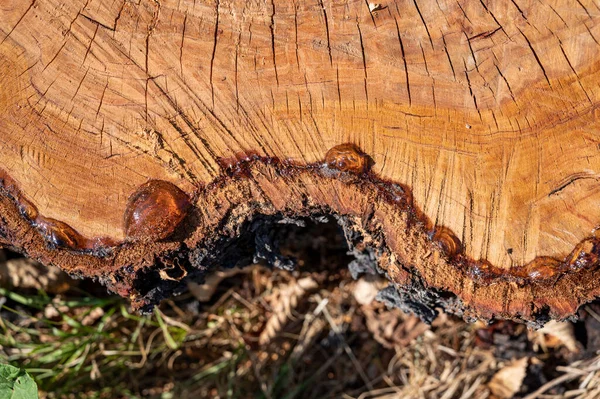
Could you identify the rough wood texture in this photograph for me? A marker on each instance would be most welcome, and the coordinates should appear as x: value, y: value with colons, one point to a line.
x: 472, y: 178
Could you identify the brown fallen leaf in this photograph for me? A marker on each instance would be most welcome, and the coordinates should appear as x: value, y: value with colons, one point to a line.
x: 28, y: 274
x: 555, y: 334
x: 508, y: 380
x: 366, y: 288
x: 93, y: 316
x: 203, y: 292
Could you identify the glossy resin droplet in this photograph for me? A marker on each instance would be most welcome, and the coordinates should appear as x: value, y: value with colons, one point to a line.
x: 59, y: 234
x: 541, y: 268
x: 448, y: 241
x: 586, y: 254
x: 347, y: 158
x: 27, y: 209
x: 155, y: 210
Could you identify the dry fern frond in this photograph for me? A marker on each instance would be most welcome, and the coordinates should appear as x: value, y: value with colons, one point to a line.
x: 283, y: 303
x: 312, y: 327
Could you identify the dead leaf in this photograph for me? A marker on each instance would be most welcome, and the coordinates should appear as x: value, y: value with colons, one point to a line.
x: 203, y: 292
x: 507, y: 381
x: 367, y: 287
x: 555, y: 334
x: 93, y: 316
x: 28, y: 274
x: 54, y: 309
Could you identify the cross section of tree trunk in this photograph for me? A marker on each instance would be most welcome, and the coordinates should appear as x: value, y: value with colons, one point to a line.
x: 456, y: 142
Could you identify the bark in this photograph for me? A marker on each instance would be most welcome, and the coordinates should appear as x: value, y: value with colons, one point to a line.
x: 145, y: 143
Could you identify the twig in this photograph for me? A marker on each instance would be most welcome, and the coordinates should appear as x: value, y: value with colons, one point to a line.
x: 548, y: 385
x: 347, y: 349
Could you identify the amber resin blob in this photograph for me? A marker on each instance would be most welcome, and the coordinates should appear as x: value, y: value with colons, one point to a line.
x: 155, y: 210
x: 60, y: 235
x: 347, y: 158
x: 450, y: 244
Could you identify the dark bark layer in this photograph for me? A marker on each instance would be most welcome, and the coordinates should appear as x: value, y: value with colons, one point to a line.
x: 233, y: 222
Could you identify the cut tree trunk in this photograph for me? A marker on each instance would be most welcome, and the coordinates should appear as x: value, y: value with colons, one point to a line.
x: 457, y: 143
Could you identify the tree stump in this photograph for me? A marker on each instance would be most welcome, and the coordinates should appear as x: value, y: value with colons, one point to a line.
x: 457, y: 143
